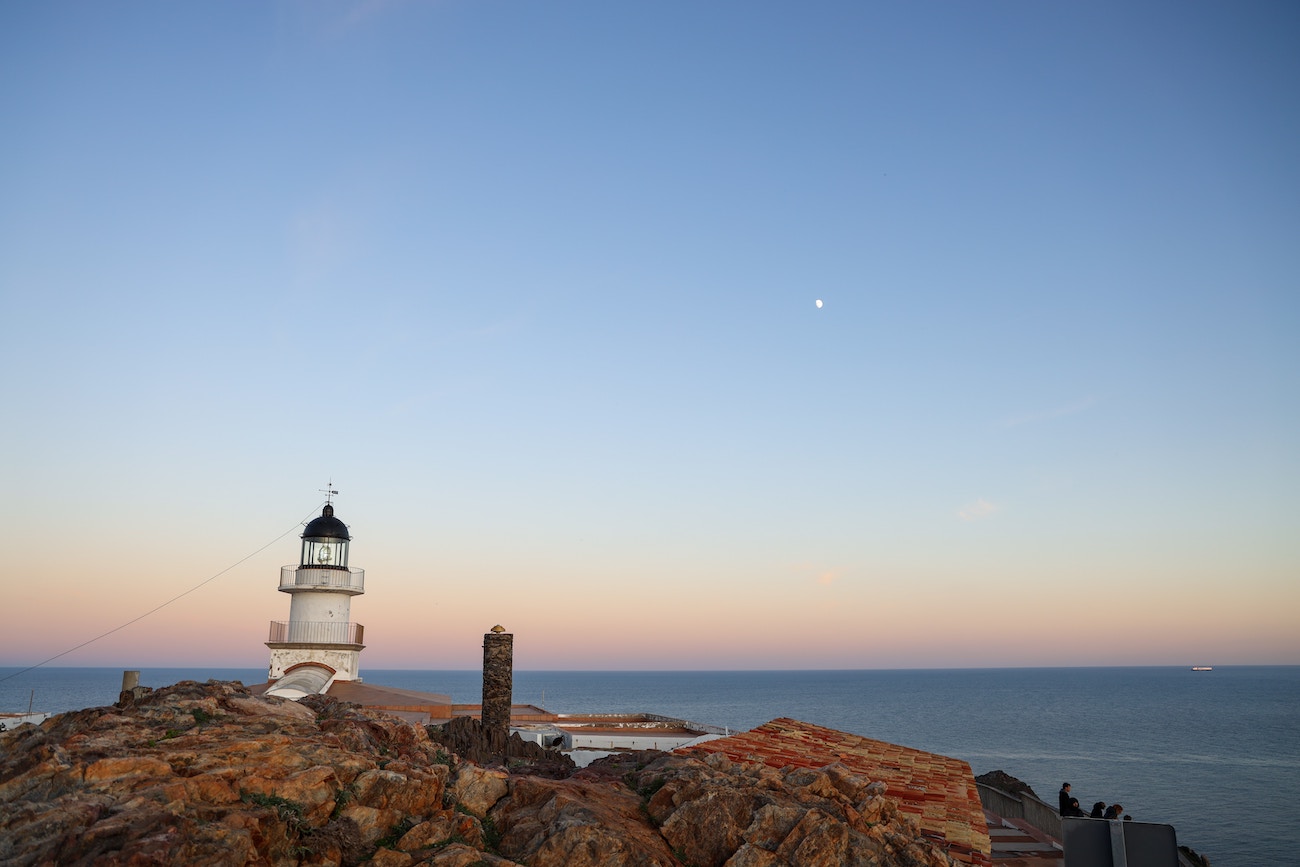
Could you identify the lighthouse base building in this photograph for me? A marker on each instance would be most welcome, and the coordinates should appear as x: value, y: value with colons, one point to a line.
x: 319, y: 644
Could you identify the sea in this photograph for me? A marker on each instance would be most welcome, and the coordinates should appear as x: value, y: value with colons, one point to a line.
x: 1215, y: 753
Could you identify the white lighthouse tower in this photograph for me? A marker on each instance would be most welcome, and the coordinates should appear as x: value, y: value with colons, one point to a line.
x: 319, y: 644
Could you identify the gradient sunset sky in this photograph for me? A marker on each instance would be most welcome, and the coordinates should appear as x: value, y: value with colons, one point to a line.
x: 535, y: 285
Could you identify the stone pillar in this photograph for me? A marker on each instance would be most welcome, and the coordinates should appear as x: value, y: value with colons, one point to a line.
x: 498, y: 682
x: 131, y: 688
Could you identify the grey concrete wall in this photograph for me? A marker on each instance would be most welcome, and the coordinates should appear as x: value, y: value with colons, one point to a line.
x: 1040, y: 814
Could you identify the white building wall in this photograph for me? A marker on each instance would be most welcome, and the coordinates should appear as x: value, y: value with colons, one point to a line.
x: 312, y: 607
x: 634, y: 740
x: 346, y: 663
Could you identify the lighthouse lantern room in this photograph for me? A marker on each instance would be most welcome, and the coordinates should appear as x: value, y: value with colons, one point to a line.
x: 318, y: 644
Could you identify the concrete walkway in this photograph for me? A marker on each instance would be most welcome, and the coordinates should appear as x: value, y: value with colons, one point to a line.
x: 1016, y: 843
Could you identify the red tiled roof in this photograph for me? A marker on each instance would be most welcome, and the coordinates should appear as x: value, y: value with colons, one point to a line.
x: 939, y: 791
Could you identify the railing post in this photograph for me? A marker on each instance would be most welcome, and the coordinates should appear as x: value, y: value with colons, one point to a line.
x: 1118, y: 855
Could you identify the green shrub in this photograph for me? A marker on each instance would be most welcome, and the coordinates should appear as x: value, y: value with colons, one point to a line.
x: 287, y: 810
x: 647, y: 790
x: 491, y: 834
x: 394, y: 834
x: 343, y: 798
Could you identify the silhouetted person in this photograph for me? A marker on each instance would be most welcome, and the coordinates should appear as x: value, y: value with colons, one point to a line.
x: 1114, y: 811
x: 1098, y: 810
x: 1073, y: 810
x: 1063, y: 798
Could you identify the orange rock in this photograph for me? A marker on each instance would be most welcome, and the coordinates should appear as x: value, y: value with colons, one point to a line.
x: 208, y: 775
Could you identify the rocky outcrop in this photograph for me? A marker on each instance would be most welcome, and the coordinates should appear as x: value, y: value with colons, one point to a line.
x: 716, y: 812
x: 208, y: 774
x: 472, y: 741
x: 1007, y: 783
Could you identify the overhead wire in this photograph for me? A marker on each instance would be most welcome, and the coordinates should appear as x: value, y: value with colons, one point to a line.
x: 165, y: 604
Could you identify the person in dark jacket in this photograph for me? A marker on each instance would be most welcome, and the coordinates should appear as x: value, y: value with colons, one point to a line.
x: 1063, y: 798
x: 1073, y: 809
x: 1098, y: 810
x: 1114, y: 811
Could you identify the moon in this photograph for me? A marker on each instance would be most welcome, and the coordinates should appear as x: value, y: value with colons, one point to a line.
x: 819, y: 304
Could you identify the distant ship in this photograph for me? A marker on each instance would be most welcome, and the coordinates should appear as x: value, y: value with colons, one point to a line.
x: 1202, y: 668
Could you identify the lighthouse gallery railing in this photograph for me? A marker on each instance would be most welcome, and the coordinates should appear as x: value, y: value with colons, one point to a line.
x: 353, y: 580
x: 315, y: 632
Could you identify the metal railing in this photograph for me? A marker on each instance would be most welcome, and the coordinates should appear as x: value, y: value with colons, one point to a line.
x: 1036, y: 812
x: 1040, y: 814
x: 311, y: 577
x: 315, y: 632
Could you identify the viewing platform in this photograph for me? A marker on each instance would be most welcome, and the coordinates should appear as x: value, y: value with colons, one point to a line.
x: 344, y: 579
x: 327, y: 633
x: 1025, y: 831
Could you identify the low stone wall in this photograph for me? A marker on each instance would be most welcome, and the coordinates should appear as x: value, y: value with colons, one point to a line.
x: 1040, y: 814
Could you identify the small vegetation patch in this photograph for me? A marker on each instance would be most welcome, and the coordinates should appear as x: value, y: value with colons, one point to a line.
x: 342, y: 799
x: 491, y: 833
x: 451, y: 841
x: 288, y: 811
x: 394, y: 834
x: 647, y: 790
x: 291, y: 814
x: 680, y: 855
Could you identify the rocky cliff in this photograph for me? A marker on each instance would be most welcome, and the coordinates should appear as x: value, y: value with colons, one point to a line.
x: 208, y: 774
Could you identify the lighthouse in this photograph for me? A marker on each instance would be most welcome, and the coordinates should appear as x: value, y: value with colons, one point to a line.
x: 319, y: 644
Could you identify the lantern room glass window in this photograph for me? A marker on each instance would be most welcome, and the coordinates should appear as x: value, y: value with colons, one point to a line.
x: 324, y: 554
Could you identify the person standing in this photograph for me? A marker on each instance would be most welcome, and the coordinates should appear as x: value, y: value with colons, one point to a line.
x: 1063, y: 797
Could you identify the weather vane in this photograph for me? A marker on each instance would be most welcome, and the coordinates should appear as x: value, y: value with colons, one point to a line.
x: 328, y: 491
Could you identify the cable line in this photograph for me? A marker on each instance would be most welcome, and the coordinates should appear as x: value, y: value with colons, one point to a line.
x: 168, y: 602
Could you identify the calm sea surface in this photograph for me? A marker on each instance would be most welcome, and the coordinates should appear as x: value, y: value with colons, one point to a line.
x: 1216, y: 754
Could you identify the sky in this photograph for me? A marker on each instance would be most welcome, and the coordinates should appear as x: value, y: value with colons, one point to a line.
x: 534, y: 287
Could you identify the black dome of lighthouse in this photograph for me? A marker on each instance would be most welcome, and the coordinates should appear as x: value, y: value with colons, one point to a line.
x: 327, y: 526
